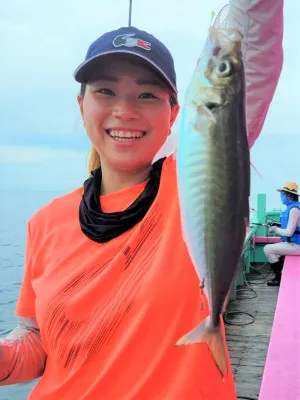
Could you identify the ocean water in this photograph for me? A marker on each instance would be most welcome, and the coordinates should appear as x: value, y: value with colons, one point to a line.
x: 15, y: 210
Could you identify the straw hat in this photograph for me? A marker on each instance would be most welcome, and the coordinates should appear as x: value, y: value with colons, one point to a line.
x: 290, y: 187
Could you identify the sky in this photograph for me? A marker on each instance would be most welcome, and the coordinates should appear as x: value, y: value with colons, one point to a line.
x: 43, y: 145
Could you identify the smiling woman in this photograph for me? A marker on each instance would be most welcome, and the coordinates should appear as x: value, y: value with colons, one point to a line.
x: 144, y: 92
x: 127, y: 113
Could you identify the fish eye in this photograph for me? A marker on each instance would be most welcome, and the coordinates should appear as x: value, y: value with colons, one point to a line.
x: 224, y: 68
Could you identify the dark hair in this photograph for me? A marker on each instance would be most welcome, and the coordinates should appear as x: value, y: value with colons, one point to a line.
x: 292, y: 196
x: 82, y: 89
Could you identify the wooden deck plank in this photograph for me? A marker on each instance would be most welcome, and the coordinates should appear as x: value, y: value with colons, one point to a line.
x: 248, y: 344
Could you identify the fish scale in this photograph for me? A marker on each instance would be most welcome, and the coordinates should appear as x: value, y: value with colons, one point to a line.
x: 213, y: 173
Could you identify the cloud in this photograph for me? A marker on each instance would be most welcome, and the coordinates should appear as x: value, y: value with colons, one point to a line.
x: 42, y: 43
x: 9, y: 27
x: 37, y: 155
x: 27, y: 168
x: 275, y: 157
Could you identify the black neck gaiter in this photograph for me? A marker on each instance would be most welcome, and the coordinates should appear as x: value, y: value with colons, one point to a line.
x: 101, y: 227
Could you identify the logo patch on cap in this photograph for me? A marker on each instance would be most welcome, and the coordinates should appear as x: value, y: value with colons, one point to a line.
x: 128, y: 41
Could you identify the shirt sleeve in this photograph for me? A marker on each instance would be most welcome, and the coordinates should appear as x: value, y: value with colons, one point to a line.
x: 26, y: 302
x: 294, y: 216
x: 262, y: 29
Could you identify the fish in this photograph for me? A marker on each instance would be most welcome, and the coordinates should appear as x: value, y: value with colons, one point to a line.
x: 213, y: 177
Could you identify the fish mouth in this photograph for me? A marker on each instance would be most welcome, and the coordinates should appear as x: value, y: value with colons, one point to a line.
x: 211, y: 106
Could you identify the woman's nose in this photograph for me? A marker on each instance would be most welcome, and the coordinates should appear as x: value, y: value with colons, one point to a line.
x: 125, y: 109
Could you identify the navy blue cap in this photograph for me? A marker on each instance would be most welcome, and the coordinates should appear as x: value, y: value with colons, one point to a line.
x: 129, y: 40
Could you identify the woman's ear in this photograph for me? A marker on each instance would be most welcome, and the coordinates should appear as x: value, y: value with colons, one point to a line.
x: 174, y: 112
x: 80, y: 102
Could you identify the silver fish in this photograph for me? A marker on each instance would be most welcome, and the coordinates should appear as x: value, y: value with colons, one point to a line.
x: 213, y: 172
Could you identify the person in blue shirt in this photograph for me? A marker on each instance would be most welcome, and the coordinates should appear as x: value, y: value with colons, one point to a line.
x: 289, y: 232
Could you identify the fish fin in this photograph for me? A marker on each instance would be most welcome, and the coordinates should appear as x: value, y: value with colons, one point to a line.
x: 226, y: 301
x: 214, y: 340
x: 255, y: 169
x: 202, y: 110
x: 204, y: 119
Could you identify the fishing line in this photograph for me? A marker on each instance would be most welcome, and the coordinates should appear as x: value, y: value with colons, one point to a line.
x: 258, y: 269
x: 242, y: 297
x: 246, y: 287
x: 238, y: 313
x: 242, y: 290
x: 257, y: 281
x: 246, y: 398
x: 253, y: 280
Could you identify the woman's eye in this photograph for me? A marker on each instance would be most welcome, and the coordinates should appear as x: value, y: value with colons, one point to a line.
x: 147, y: 96
x: 106, y: 91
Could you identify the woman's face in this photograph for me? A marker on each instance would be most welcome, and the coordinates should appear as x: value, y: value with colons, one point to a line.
x: 127, y: 114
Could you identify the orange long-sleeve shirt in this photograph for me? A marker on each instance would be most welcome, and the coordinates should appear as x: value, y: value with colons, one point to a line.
x: 110, y: 314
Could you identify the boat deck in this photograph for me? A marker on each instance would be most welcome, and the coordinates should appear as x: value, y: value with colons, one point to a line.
x: 248, y: 344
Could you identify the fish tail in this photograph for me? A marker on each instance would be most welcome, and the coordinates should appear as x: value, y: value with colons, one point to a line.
x: 213, y: 338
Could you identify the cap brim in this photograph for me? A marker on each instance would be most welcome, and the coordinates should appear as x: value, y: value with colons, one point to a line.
x: 85, y: 70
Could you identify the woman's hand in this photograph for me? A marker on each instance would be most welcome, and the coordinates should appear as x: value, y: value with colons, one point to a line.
x: 22, y: 357
x: 273, y: 229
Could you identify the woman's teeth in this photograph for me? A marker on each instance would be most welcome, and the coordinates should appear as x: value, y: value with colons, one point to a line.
x: 125, y: 135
